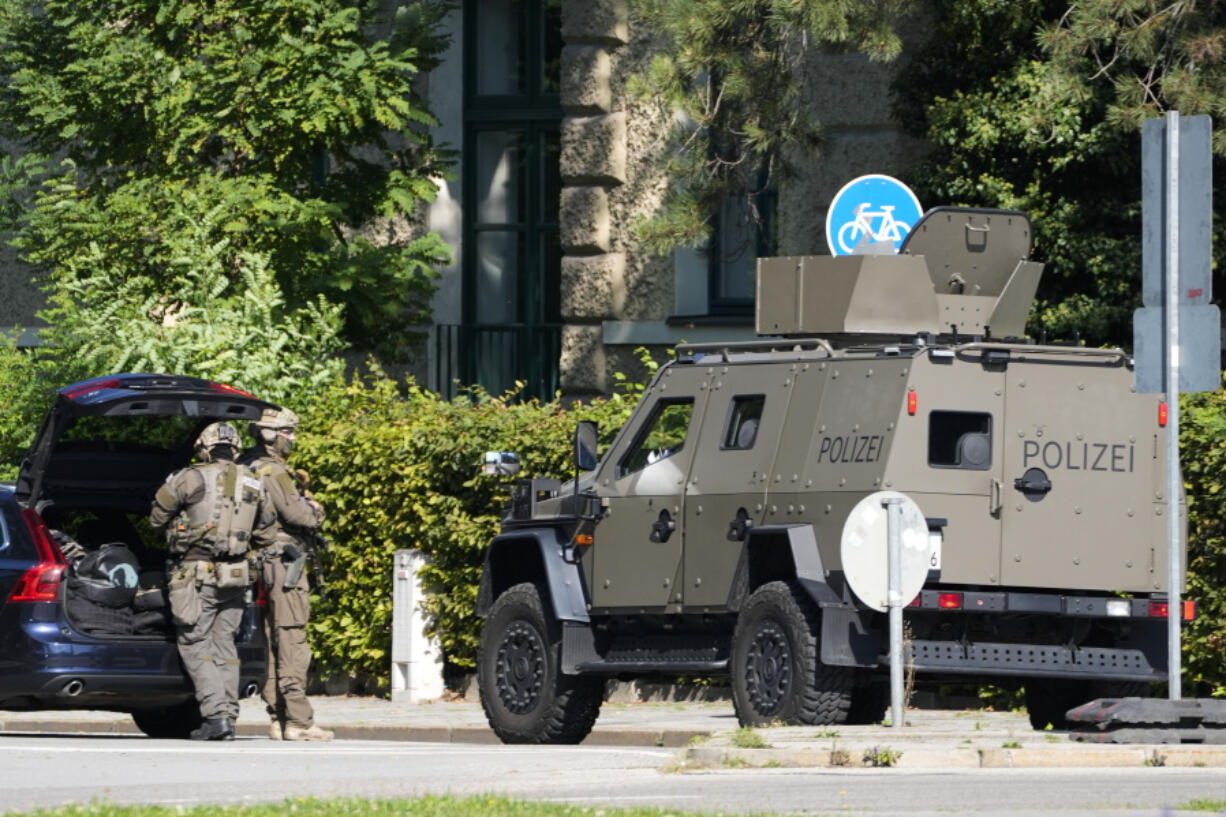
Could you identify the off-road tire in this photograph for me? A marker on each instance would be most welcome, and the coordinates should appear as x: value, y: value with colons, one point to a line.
x: 869, y: 702
x: 170, y: 721
x: 525, y: 696
x: 777, y: 673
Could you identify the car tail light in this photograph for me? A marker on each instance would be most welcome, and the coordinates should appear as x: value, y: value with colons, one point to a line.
x: 42, y: 581
x: 950, y: 601
x: 224, y: 389
x: 91, y: 386
x: 1159, y: 609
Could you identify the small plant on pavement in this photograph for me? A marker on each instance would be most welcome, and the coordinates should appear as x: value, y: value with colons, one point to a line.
x: 747, y: 738
x: 1011, y: 744
x: 881, y: 756
x: 839, y: 757
x: 1155, y: 758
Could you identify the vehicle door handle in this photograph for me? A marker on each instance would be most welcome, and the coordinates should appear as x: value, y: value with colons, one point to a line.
x: 1034, y: 483
x: 663, y: 527
x: 738, y: 528
x: 994, y: 498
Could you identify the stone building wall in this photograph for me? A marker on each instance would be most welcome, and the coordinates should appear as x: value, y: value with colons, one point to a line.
x: 615, y: 295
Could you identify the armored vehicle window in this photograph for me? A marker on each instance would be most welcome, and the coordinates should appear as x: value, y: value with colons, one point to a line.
x: 960, y: 439
x: 744, y: 415
x: 661, y: 436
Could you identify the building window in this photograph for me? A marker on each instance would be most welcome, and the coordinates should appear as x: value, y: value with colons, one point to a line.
x: 512, y: 185
x: 737, y: 242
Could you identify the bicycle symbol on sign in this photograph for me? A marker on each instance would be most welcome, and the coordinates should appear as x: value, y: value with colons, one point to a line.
x: 888, y: 228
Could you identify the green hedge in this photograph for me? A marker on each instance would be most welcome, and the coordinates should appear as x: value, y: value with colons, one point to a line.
x: 403, y: 470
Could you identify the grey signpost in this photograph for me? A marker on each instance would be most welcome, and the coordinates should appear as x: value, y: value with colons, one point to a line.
x: 1177, y: 333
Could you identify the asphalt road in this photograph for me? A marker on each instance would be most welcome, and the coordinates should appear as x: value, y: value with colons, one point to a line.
x: 47, y: 770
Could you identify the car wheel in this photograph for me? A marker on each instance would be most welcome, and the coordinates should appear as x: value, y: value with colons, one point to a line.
x: 525, y: 696
x: 777, y: 673
x: 169, y: 722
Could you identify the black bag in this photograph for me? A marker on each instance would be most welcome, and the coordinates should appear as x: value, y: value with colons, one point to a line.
x: 151, y: 594
x: 151, y: 622
x: 93, y: 618
x: 106, y: 576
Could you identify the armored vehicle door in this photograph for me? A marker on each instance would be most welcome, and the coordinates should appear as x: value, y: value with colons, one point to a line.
x: 636, y: 559
x: 1083, y: 466
x: 735, y: 450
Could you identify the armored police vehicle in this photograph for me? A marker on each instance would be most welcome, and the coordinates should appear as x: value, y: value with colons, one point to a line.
x: 713, y: 535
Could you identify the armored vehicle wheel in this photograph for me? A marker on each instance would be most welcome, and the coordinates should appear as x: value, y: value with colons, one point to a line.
x: 777, y: 675
x: 170, y: 721
x: 526, y: 697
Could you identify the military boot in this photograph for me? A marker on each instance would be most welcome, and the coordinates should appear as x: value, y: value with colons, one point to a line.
x: 275, y: 731
x: 310, y: 733
x: 214, y: 729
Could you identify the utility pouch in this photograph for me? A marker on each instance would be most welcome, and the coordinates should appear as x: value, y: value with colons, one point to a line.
x: 184, y: 597
x: 233, y: 574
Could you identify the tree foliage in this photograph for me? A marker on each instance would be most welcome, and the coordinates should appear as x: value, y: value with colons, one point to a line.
x: 727, y: 79
x: 1019, y: 118
x: 287, y: 115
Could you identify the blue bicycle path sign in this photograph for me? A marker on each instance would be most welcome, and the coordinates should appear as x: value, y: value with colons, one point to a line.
x: 871, y: 215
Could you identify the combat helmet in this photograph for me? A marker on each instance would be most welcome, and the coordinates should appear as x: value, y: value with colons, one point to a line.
x: 214, y: 435
x: 275, y: 429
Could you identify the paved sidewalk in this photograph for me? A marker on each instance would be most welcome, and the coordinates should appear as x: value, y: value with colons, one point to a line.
x: 706, y: 735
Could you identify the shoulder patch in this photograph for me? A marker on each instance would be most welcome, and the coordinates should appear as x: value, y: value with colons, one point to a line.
x: 252, y: 483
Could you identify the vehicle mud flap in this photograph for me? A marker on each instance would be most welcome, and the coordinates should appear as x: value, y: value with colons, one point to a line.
x: 578, y: 646
x: 847, y: 639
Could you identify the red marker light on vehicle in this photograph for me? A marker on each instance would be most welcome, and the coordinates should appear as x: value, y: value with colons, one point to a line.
x: 950, y: 601
x: 1162, y: 414
x: 911, y: 402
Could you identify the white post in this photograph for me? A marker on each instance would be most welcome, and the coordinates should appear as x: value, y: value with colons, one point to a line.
x: 1173, y: 487
x: 417, y: 661
x: 893, y: 508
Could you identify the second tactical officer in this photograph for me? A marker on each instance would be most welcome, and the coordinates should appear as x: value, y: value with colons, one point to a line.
x: 285, y: 580
x: 212, y: 511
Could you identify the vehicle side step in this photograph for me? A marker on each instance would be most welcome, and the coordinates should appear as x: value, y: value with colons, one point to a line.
x: 1149, y: 720
x: 681, y: 653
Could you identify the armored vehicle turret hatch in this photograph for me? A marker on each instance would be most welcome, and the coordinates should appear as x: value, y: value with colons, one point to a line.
x: 960, y: 272
x: 706, y: 540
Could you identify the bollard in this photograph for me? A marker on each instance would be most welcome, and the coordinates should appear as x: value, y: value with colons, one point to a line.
x: 417, y: 661
x: 893, y: 507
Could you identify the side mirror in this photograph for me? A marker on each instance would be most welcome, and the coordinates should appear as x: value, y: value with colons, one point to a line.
x: 500, y: 463
x: 586, y: 441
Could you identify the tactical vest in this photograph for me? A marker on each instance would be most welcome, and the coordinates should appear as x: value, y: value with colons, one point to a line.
x: 221, y: 521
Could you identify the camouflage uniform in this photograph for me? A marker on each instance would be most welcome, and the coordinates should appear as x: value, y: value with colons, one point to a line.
x: 218, y: 508
x: 288, y: 610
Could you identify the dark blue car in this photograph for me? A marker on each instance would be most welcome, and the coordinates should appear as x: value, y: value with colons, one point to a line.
x: 103, y: 450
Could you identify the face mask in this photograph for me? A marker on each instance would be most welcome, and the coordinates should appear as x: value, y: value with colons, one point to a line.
x: 283, y: 444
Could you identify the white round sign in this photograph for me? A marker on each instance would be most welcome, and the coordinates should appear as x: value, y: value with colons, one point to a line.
x: 864, y: 549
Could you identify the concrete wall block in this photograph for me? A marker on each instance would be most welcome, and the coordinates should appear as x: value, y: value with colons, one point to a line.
x: 584, y: 220
x: 596, y: 21
x: 586, y: 74
x: 593, y: 286
x: 583, y: 363
x: 594, y: 149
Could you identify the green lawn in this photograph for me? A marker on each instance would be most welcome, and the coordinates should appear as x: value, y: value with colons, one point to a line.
x: 313, y: 807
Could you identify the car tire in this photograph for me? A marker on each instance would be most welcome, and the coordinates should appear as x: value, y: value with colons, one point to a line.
x: 777, y: 673
x: 525, y: 696
x: 169, y: 722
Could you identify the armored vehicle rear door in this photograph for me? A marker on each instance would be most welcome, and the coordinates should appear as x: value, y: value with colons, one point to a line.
x: 734, y: 453
x: 1082, y: 460
x: 636, y: 559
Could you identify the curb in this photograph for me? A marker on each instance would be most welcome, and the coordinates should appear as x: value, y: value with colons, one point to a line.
x: 1137, y: 756
x: 671, y: 738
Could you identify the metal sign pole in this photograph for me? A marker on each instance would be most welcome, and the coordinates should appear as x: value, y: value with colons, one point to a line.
x: 893, y: 508
x: 1173, y: 486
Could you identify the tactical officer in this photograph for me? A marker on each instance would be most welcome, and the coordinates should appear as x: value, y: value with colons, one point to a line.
x: 213, y: 511
x: 285, y: 579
